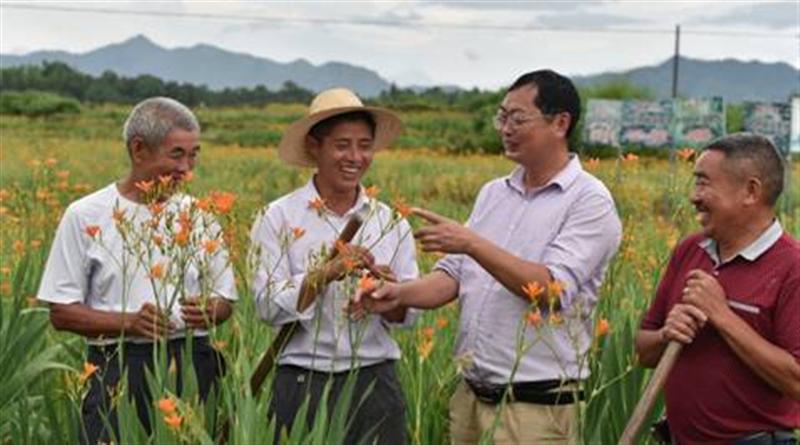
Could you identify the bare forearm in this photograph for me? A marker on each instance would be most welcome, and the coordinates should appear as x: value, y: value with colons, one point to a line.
x: 433, y: 290
x: 509, y: 270
x: 83, y: 320
x: 649, y: 347
x: 774, y: 365
x: 396, y: 315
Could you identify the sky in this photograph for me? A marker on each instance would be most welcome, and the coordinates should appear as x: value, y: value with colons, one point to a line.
x: 469, y: 44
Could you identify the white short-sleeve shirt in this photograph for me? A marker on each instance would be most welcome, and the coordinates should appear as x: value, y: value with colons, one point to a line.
x: 104, y: 274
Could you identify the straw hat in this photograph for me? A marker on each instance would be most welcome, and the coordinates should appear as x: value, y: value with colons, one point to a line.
x: 327, y: 104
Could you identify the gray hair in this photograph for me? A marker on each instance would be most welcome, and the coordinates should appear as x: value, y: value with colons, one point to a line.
x: 152, y: 119
x: 762, y: 157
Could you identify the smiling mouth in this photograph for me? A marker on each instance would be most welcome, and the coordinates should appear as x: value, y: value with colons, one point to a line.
x: 350, y: 172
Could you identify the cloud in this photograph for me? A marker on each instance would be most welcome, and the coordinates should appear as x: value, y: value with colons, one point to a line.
x: 773, y: 15
x: 585, y: 18
x: 514, y: 5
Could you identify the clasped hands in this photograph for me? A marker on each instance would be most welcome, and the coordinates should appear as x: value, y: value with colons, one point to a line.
x: 153, y: 323
x: 703, y: 301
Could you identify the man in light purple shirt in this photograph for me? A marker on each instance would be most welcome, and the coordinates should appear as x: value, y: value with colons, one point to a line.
x: 548, y: 227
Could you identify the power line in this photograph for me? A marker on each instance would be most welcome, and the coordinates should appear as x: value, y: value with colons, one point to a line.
x: 396, y: 23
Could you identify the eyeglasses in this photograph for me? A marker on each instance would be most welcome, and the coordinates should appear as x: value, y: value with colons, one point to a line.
x: 514, y: 119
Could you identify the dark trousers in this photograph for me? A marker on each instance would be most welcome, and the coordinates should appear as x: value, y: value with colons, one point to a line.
x: 208, y: 366
x: 379, y: 418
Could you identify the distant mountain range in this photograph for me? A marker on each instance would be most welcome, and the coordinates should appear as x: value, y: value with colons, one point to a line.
x: 218, y: 68
x: 731, y: 79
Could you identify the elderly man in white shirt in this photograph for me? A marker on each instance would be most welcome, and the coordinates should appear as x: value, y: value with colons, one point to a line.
x: 339, y: 137
x: 101, y: 284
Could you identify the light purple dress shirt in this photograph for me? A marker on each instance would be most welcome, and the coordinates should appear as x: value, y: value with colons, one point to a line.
x: 570, y: 225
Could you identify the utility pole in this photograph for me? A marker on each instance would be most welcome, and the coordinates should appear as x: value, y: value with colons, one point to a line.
x: 672, y: 148
x: 676, y: 61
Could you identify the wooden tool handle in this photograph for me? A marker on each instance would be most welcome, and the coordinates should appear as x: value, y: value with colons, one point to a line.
x: 645, y: 405
x: 308, y: 293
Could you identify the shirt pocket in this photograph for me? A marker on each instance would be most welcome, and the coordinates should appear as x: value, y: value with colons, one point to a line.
x: 753, y: 311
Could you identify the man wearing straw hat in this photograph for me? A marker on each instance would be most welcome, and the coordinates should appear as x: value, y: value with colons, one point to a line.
x: 338, y: 138
x: 731, y: 294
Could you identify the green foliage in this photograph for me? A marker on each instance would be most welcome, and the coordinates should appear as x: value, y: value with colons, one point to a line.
x: 36, y: 104
x: 59, y: 78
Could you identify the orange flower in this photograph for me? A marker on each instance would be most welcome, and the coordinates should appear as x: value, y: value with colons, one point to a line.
x: 182, y: 238
x: 427, y: 332
x: 203, y: 204
x: 442, y: 322
x: 185, y: 220
x: 210, y: 246
x: 602, y: 327
x: 219, y: 345
x: 555, y: 289
x: 372, y: 191
x: 164, y: 180
x: 555, y: 318
x: 36, y: 243
x: 92, y: 231
x: 144, y: 186
x: 366, y: 282
x: 19, y: 247
x: 89, y: 369
x: 50, y: 162
x: 62, y: 174
x: 532, y: 290
x: 349, y: 264
x: 317, y: 204
x: 534, y: 317
x: 592, y: 164
x: 223, y: 201
x: 630, y: 158
x: 188, y: 176
x: 156, y: 208
x: 157, y: 271
x: 167, y: 406
x: 174, y: 421
x: 685, y: 154
x: 298, y: 232
x: 158, y: 240
x: 425, y: 348
x: 402, y: 208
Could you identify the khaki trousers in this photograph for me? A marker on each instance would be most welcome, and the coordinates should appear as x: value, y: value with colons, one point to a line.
x: 519, y: 423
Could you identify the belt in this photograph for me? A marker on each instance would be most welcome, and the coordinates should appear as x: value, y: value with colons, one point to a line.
x: 547, y: 392
x: 147, y: 348
x: 780, y: 437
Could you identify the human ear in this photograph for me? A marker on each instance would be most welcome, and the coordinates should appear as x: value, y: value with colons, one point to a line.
x: 138, y: 149
x: 312, y: 146
x: 754, y: 191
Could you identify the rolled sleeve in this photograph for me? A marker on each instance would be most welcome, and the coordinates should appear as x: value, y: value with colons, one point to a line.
x: 65, y: 277
x: 223, y: 282
x: 581, y: 251
x: 275, y: 288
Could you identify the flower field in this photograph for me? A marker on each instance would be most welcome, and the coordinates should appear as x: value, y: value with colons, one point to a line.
x: 47, y: 163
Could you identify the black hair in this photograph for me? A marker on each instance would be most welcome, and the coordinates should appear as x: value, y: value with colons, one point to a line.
x: 554, y: 94
x: 324, y: 127
x: 760, y: 153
